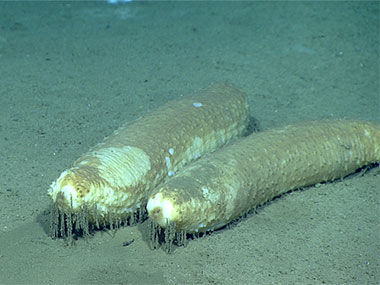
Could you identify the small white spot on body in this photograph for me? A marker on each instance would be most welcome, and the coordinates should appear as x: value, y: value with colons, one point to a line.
x: 204, y: 191
x: 171, y: 173
x: 168, y: 163
x: 197, y: 104
x: 171, y: 151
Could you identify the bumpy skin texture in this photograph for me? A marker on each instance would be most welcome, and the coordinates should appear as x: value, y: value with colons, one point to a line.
x: 115, y: 177
x: 224, y: 185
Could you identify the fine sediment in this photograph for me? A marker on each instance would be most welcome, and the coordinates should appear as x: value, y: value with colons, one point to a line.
x: 109, y: 184
x: 224, y: 185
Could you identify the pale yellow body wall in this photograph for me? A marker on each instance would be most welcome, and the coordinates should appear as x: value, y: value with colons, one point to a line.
x: 221, y: 187
x: 116, y: 176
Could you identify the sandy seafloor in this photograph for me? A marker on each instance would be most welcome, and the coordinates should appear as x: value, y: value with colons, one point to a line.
x: 72, y: 72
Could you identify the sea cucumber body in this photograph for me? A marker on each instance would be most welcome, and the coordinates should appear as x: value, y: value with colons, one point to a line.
x: 115, y: 177
x: 221, y: 187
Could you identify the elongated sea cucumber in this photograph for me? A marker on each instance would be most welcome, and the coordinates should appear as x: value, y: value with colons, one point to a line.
x: 224, y: 185
x: 110, y: 184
